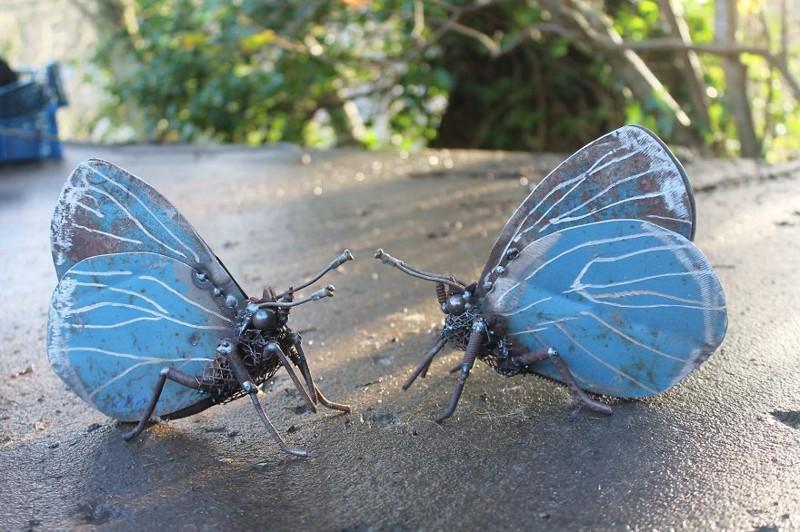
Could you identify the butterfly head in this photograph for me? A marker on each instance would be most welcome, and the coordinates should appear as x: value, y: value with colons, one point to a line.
x: 265, y: 319
x: 459, y: 300
x: 271, y: 312
x: 455, y: 304
x: 260, y: 317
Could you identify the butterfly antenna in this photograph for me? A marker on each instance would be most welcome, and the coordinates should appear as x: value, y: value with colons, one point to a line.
x: 340, y: 259
x: 416, y: 272
x: 327, y: 291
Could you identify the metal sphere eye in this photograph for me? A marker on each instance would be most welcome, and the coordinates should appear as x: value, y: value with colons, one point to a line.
x: 455, y: 304
x: 265, y: 319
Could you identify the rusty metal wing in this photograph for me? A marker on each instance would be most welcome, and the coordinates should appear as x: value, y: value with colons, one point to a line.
x: 628, y: 173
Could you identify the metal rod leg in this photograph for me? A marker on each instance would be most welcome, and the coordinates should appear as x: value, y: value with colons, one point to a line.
x: 426, y: 362
x: 274, y: 433
x: 441, y: 297
x: 579, y: 394
x: 317, y: 393
x: 532, y: 357
x: 441, y: 294
x: 330, y: 404
x: 473, y: 347
x: 297, y: 342
x: 566, y: 376
x: 425, y: 370
x: 249, y: 388
x: 275, y: 349
x: 166, y: 373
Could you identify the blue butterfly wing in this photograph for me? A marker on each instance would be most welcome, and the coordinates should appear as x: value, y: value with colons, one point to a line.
x: 117, y: 320
x: 103, y: 210
x: 630, y: 306
x: 628, y: 173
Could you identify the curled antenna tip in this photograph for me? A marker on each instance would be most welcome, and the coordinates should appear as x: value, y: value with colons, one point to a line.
x: 385, y: 258
x: 323, y: 292
x: 343, y: 257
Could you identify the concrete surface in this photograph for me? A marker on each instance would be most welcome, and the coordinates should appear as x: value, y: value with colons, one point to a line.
x: 721, y: 450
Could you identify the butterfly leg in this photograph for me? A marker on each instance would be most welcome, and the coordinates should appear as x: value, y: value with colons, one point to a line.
x: 166, y: 374
x: 297, y: 342
x: 424, y: 372
x: 441, y: 297
x: 566, y: 376
x: 229, y: 350
x: 330, y: 404
x: 426, y: 362
x: 275, y: 349
x: 473, y: 347
x: 314, y: 390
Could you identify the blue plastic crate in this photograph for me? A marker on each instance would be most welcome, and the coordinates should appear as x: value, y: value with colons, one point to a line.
x: 31, y: 136
x: 28, y: 127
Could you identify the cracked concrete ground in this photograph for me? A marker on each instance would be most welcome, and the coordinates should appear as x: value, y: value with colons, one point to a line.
x: 721, y: 450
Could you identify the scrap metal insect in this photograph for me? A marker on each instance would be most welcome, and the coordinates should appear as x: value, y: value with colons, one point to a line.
x: 146, y: 320
x: 593, y: 281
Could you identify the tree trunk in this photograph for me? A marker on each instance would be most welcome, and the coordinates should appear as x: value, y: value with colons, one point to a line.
x: 725, y: 21
x: 673, y: 13
x: 632, y: 70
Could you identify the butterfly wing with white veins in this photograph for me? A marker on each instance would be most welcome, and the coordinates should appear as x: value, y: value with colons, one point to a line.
x: 630, y: 306
x: 628, y: 173
x: 117, y: 320
x: 103, y: 210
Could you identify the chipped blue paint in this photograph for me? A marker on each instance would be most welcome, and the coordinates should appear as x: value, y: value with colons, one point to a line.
x: 628, y: 173
x: 117, y: 320
x: 103, y: 210
x: 630, y: 306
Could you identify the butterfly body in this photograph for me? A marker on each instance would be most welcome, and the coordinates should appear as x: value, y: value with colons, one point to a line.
x: 593, y: 281
x: 257, y: 330
x: 147, y: 321
x: 218, y: 378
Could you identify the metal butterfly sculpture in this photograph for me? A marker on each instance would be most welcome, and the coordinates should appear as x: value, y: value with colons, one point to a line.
x: 594, y: 280
x: 147, y: 321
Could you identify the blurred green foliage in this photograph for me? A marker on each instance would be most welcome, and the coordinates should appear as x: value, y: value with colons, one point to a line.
x: 257, y: 72
x: 389, y: 74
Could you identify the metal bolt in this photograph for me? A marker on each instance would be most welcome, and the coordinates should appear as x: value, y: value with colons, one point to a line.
x: 225, y: 347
